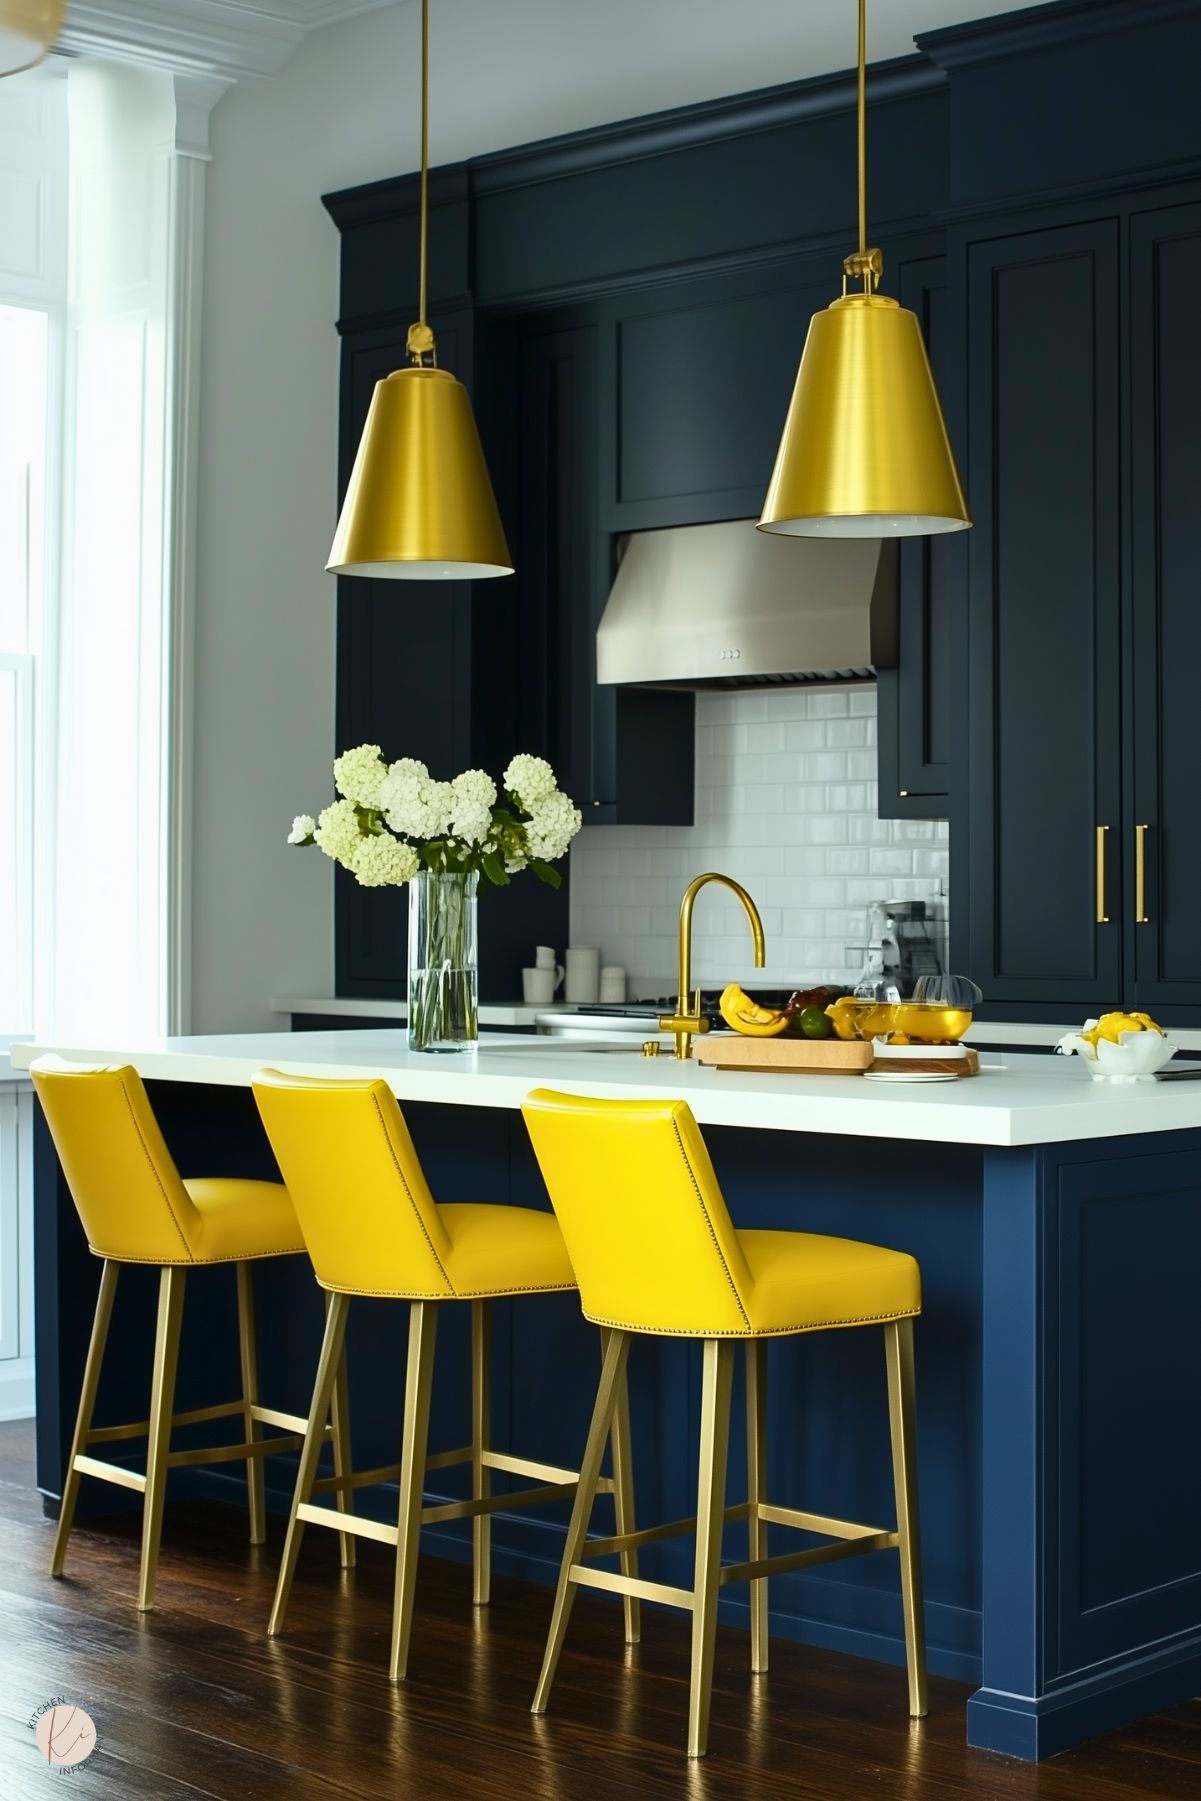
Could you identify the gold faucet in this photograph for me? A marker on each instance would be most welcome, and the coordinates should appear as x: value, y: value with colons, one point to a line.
x: 687, y: 1021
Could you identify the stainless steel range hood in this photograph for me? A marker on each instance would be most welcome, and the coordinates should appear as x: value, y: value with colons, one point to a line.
x: 726, y: 606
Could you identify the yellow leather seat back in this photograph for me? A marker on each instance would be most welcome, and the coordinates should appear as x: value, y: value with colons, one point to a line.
x: 370, y: 1223
x: 122, y: 1177
x: 646, y: 1226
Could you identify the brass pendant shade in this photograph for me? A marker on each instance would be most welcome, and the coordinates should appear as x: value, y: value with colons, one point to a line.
x: 865, y: 452
x: 420, y: 506
x: 420, y: 503
x: 28, y: 29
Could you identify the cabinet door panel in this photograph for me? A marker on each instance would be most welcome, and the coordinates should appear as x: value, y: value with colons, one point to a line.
x: 1165, y: 269
x: 1044, y: 615
x: 915, y: 699
x: 625, y: 755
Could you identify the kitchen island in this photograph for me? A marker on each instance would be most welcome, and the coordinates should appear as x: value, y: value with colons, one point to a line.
x: 1058, y: 1227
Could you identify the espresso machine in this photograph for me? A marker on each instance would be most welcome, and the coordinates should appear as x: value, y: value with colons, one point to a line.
x: 904, y: 945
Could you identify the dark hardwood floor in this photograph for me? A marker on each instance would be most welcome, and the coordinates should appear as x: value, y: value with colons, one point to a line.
x: 193, y: 1700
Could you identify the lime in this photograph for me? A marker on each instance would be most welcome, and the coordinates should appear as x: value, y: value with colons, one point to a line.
x: 816, y: 1023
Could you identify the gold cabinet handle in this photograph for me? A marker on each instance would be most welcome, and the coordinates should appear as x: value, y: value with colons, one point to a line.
x: 1140, y: 876
x: 1102, y: 915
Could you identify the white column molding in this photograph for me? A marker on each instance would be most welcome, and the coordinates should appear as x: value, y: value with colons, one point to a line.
x: 194, y: 98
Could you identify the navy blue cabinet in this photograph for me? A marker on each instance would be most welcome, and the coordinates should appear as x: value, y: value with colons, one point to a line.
x: 1163, y: 910
x: 1038, y: 852
x: 625, y: 755
x: 919, y: 733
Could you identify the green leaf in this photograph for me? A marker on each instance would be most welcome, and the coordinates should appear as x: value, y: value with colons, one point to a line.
x: 546, y: 873
x: 495, y: 870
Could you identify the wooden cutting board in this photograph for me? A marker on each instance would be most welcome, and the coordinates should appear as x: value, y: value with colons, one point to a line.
x: 966, y: 1063
x: 806, y: 1056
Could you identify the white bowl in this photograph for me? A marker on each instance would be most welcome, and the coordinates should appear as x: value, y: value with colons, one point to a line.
x: 1134, y: 1058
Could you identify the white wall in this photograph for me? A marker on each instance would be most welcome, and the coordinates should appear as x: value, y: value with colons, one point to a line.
x: 786, y: 804
x: 342, y: 112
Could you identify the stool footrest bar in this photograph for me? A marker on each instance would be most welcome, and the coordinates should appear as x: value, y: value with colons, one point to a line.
x: 801, y: 1560
x: 257, y: 1447
x: 811, y: 1522
x: 332, y: 1485
x: 111, y: 1472
x: 526, y: 1466
x: 632, y: 1585
x: 445, y: 1460
x: 525, y: 1497
x: 346, y: 1522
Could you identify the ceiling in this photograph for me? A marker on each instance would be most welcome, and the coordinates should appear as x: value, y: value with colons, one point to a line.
x: 700, y: 45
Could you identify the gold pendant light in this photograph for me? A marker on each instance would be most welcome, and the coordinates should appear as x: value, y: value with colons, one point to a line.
x: 865, y: 452
x: 28, y: 29
x: 420, y: 505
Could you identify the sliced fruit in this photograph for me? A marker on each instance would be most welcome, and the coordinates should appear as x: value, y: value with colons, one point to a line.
x: 745, y: 1015
x: 842, y: 1015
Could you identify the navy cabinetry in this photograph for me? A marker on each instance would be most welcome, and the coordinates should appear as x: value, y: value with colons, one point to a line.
x: 918, y: 729
x: 625, y: 755
x: 1164, y: 961
x: 1040, y: 887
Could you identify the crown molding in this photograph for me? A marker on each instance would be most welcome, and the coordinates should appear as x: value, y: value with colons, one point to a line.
x: 203, y: 37
x: 1037, y: 29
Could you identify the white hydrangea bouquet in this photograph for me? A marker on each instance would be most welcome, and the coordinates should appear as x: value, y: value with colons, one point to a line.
x: 393, y: 823
x: 394, y: 819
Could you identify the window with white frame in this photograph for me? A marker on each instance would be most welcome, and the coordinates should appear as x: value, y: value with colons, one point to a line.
x: 84, y: 583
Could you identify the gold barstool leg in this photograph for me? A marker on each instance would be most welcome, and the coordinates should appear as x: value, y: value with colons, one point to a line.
x: 314, y: 1438
x: 248, y: 1353
x: 419, y: 1374
x: 756, y: 1484
x: 83, y: 1417
x: 617, y: 1351
x: 162, y: 1402
x: 343, y: 1461
x: 710, y: 1519
x: 481, y: 1434
x: 623, y: 1496
x: 902, y: 1416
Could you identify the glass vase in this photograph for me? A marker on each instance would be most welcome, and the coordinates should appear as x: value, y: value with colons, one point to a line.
x: 443, y: 972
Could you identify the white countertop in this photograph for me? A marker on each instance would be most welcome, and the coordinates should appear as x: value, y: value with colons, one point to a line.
x: 492, y: 1013
x: 1016, y: 1099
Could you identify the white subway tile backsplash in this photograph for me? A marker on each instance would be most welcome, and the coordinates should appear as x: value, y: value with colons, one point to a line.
x: 786, y: 804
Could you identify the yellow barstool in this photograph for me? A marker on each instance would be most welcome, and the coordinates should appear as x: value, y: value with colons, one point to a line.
x: 135, y: 1209
x: 373, y: 1228
x: 654, y: 1250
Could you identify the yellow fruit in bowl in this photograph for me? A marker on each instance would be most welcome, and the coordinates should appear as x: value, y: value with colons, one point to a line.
x: 932, y: 1024
x: 1110, y: 1027
x: 744, y: 1015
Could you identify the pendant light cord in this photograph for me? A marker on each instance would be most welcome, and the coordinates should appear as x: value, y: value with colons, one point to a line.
x: 862, y: 126
x: 863, y: 264
x: 425, y: 147
x: 421, y: 338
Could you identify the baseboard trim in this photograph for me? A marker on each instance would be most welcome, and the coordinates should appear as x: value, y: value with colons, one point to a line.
x: 1035, y: 1727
